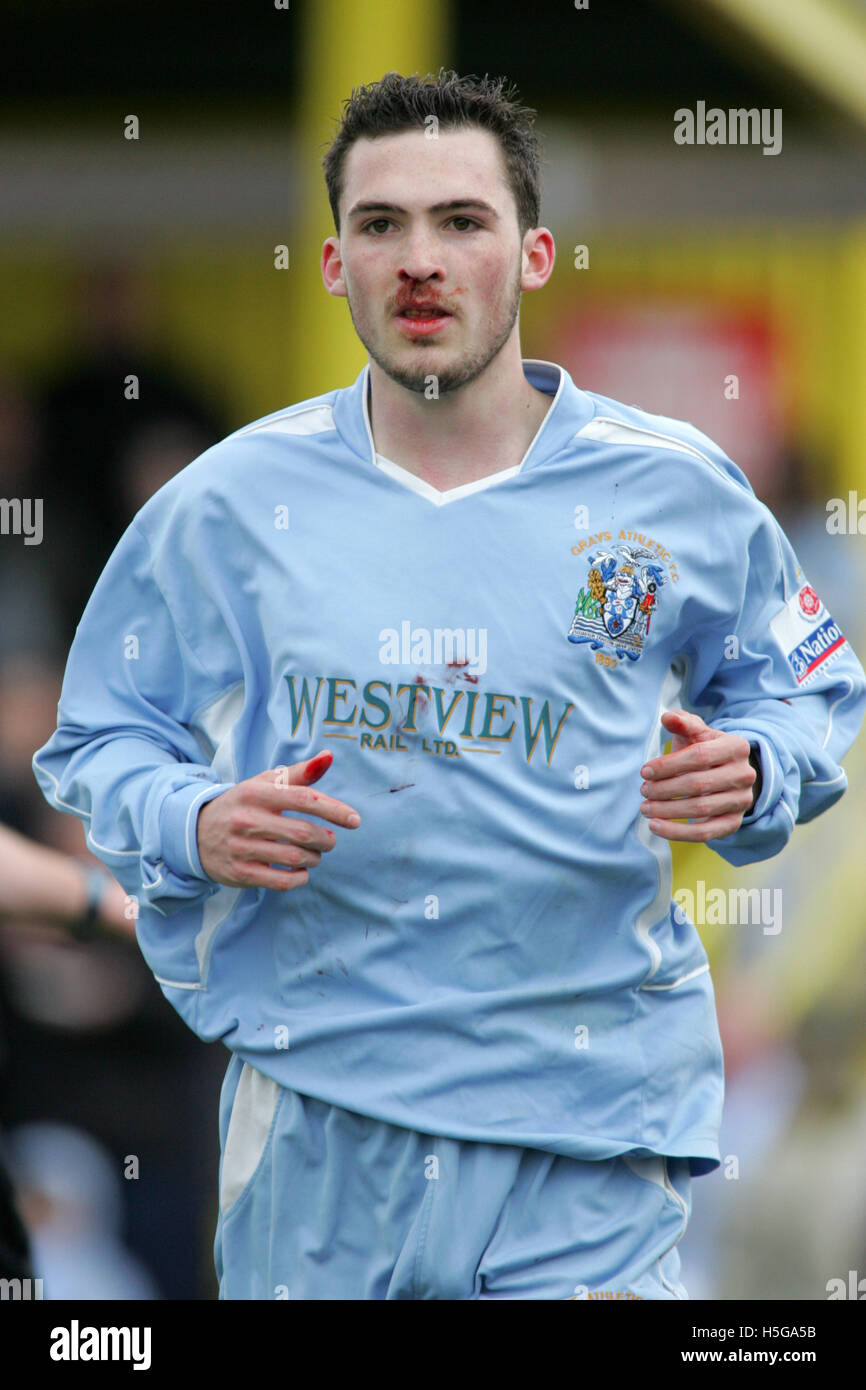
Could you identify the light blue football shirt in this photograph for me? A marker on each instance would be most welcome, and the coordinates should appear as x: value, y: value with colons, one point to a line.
x: 493, y: 955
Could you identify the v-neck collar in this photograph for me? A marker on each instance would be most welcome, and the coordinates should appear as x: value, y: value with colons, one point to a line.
x: 541, y: 375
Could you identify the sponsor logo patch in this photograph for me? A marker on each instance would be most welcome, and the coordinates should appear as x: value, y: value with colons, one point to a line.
x: 808, y: 636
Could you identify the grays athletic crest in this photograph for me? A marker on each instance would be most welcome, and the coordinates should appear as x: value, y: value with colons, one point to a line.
x: 615, y: 608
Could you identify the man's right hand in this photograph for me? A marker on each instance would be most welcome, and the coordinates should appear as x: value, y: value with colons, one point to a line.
x: 242, y: 832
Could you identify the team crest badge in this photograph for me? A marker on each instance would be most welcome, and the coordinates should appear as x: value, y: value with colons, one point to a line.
x: 615, y: 609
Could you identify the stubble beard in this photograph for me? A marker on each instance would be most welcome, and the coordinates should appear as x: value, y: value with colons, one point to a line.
x: 461, y: 373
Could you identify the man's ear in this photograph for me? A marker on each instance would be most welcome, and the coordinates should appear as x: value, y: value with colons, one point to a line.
x: 539, y: 254
x: 332, y: 267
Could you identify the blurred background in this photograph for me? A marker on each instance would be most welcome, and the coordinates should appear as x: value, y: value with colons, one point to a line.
x: 151, y: 163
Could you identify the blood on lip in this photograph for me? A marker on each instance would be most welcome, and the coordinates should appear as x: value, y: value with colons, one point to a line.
x: 431, y: 308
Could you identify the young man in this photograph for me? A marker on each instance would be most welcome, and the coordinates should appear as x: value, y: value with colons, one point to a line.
x: 475, y: 1050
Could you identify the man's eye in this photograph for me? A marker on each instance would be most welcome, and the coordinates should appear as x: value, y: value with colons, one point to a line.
x: 379, y: 224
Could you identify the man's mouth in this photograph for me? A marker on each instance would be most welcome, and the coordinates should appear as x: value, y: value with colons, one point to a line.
x: 427, y: 311
x: 422, y: 320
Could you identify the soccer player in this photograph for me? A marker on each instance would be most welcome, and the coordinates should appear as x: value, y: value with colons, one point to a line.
x: 474, y: 1044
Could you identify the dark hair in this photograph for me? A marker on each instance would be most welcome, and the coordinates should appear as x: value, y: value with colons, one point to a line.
x: 398, y: 103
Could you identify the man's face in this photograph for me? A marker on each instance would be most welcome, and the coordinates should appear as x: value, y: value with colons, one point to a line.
x: 431, y: 254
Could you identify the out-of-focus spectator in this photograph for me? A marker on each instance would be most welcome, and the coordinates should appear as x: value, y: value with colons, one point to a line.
x: 85, y: 1035
x: 153, y: 455
x: 800, y: 1218
x: 70, y: 1196
x: 29, y: 690
x: 39, y: 882
x: 112, y: 390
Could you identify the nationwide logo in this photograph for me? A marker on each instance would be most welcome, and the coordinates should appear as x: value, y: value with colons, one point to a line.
x: 809, y: 637
x: 813, y: 651
x: 421, y: 716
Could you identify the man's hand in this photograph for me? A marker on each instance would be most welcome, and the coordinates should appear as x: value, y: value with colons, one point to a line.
x: 242, y: 832
x: 706, y: 776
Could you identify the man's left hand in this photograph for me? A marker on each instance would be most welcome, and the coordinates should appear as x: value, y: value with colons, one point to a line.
x: 706, y: 777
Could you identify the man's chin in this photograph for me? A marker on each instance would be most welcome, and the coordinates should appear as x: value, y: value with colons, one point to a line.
x: 432, y: 374
x: 410, y: 377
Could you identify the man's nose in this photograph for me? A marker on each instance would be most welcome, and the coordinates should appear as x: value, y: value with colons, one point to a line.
x: 420, y: 260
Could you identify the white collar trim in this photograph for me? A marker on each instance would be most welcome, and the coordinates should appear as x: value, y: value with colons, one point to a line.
x: 425, y: 489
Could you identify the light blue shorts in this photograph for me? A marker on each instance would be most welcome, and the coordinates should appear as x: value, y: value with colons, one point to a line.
x: 317, y: 1202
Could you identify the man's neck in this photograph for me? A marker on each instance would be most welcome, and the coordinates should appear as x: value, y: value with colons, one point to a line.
x: 462, y: 435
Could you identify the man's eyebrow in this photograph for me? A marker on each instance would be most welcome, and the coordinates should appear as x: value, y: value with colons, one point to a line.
x: 454, y: 205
